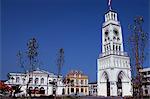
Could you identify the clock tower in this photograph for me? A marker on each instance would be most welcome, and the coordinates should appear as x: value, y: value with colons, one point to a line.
x: 113, y: 64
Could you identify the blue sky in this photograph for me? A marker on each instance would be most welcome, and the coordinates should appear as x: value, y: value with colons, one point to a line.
x: 74, y: 25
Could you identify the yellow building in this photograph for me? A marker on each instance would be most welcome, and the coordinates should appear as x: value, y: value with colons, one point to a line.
x: 76, y: 83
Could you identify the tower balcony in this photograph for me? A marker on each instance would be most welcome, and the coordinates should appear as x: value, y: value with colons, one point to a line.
x: 112, y: 52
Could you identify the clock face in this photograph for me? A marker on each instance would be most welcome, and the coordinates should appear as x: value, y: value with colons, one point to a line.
x: 116, y: 33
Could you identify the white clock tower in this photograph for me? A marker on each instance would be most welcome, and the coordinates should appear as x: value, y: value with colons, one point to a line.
x: 113, y: 64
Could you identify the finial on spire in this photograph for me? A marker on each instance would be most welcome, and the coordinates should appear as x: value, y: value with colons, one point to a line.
x: 109, y: 4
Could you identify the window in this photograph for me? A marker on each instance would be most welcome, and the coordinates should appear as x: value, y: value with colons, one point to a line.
x: 72, y: 90
x: 144, y: 73
x: 116, y: 48
x: 23, y: 80
x: 17, y: 79
x: 81, y: 82
x: 109, y: 47
x: 42, y: 80
x: 105, y: 48
x: 36, y: 80
x: 85, y: 82
x: 119, y: 48
x: 146, y: 91
x: 85, y: 89
x: 113, y: 47
x: 112, y: 16
x: 68, y: 91
x: 30, y: 80
x: 108, y: 16
x: 77, y: 81
x: 106, y: 33
x: 81, y: 89
x: 114, y: 38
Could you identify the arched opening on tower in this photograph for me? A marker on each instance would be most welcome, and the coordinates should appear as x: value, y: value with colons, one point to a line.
x: 108, y: 87
x: 107, y: 83
x: 119, y: 84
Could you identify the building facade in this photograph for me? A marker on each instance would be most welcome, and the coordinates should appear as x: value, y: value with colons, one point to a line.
x: 93, y: 89
x: 76, y: 83
x: 37, y: 82
x: 145, y: 81
x: 113, y: 64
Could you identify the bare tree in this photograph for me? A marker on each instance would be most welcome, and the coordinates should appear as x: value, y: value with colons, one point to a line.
x: 137, y: 41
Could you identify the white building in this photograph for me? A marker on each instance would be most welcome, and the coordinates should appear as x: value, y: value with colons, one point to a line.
x: 93, y: 89
x: 113, y: 64
x: 39, y: 82
x: 146, y: 81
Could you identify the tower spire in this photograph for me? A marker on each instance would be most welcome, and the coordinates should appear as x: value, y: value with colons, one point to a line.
x: 109, y: 4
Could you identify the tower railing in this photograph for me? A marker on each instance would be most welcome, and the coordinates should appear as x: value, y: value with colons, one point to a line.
x: 112, y: 52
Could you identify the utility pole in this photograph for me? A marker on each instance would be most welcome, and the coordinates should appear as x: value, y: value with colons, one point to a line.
x: 137, y: 40
x: 20, y: 60
x: 32, y: 52
x: 60, y: 60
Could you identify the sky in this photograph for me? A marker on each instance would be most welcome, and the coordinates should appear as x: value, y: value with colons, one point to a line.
x: 74, y: 25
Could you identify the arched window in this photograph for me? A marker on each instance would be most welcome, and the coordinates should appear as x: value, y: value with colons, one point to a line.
x: 116, y: 48
x: 36, y: 80
x: 42, y: 90
x: 23, y: 80
x: 17, y: 79
x: 30, y: 80
x: 119, y: 48
x: 113, y: 47
x: 36, y: 90
x: 42, y: 80
x: 114, y: 17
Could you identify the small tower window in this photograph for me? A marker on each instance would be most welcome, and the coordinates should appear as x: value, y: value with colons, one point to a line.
x: 116, y: 48
x: 114, y: 38
x: 118, y: 39
x: 105, y: 48
x: 119, y: 48
x: 113, y: 47
x: 106, y: 33
x: 108, y: 17
x: 114, y: 16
